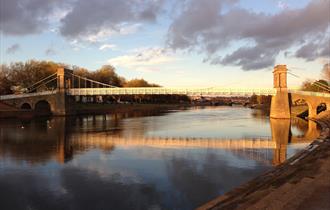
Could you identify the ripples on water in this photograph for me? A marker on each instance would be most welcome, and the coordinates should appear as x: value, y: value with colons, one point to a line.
x: 172, y: 160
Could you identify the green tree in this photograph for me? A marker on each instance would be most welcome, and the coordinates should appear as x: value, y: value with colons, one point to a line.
x: 254, y: 99
x: 106, y: 74
x: 81, y: 72
x: 139, y: 83
x: 25, y: 74
x: 317, y: 86
x: 5, y: 83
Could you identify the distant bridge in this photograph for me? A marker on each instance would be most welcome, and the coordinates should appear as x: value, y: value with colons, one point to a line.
x: 59, y: 100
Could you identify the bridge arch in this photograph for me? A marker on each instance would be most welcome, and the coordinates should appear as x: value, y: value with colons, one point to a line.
x: 26, y: 106
x: 302, y: 99
x: 321, y: 107
x: 43, y: 108
x: 328, y: 105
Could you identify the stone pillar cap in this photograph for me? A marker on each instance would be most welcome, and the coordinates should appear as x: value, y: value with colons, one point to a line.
x: 281, y: 68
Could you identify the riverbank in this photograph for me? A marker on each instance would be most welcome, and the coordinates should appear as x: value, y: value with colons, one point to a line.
x: 302, y: 182
x: 7, y: 111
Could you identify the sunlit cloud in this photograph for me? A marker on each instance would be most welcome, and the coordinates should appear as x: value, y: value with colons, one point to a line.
x: 105, y: 33
x: 77, y: 45
x: 107, y: 46
x: 282, y: 5
x: 143, y: 60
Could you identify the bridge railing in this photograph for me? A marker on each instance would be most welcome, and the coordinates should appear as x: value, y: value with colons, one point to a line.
x: 167, y: 91
x: 24, y: 95
x: 309, y: 93
x: 173, y: 91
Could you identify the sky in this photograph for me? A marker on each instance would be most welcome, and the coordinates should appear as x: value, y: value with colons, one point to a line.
x: 187, y: 43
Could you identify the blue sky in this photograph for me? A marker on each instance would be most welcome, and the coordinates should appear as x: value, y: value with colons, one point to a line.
x: 187, y: 44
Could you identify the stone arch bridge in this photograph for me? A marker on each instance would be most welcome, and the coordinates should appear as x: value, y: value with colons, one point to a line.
x: 54, y: 101
x: 60, y: 101
x: 284, y: 97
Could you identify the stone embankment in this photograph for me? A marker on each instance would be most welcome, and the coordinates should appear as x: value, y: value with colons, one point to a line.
x: 7, y: 111
x: 302, y: 182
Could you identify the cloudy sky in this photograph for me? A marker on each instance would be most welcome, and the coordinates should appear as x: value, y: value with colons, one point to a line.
x: 173, y: 43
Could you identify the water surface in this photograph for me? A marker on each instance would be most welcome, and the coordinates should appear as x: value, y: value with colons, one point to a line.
x: 168, y: 160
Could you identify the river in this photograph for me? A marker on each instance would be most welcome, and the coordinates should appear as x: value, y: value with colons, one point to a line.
x: 176, y: 159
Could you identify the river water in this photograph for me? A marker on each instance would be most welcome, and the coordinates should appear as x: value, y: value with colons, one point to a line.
x: 177, y: 159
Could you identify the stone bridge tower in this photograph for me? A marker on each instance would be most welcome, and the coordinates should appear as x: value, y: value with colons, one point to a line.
x: 63, y: 101
x: 280, y: 106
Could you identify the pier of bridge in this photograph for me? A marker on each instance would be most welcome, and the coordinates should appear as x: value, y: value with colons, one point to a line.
x: 61, y: 100
x: 283, y: 99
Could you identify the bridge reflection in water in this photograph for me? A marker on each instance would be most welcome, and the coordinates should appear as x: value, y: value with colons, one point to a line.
x: 55, y: 133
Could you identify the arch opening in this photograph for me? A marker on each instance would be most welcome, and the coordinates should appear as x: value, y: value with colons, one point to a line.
x: 321, y: 107
x: 300, y: 108
x: 42, y: 108
x: 26, y: 106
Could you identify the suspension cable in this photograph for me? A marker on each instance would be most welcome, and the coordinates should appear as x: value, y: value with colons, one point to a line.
x: 42, y: 80
x: 315, y: 82
x: 50, y: 79
x: 93, y: 81
x: 30, y: 90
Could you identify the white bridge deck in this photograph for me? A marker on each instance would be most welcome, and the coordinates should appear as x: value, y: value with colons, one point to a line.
x: 166, y: 91
x: 173, y: 91
x: 25, y: 95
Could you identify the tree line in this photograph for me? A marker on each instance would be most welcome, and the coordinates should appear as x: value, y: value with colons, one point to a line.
x: 18, y: 75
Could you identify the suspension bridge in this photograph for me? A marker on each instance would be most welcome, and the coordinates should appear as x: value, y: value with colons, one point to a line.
x: 66, y: 85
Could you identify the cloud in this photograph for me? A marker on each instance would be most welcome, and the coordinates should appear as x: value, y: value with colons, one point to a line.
x: 319, y: 47
x: 108, y: 46
x: 282, y: 5
x: 144, y: 60
x: 77, y: 45
x: 107, y: 191
x: 106, y: 17
x: 230, y: 35
x: 22, y: 17
x: 104, y: 33
x: 13, y: 49
x: 50, y: 51
x: 39, y: 191
x: 85, y: 19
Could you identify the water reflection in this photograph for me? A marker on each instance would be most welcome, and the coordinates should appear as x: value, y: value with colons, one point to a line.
x: 40, y: 141
x: 134, y: 162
